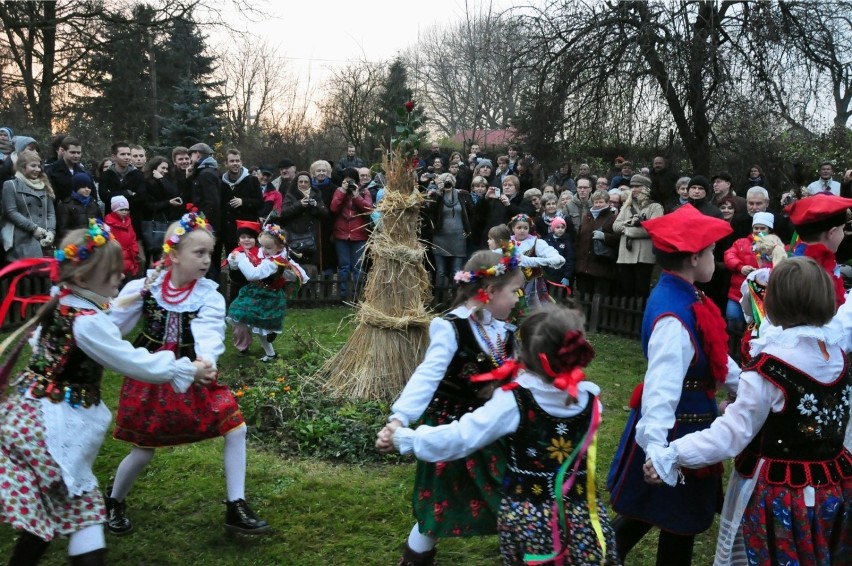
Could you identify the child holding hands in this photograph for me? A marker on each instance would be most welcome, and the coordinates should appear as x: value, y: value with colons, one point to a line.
x: 459, y: 498
x: 547, y: 411
x: 789, y: 498
x: 53, y: 422
x: 684, y: 339
x: 182, y: 311
x: 261, y: 305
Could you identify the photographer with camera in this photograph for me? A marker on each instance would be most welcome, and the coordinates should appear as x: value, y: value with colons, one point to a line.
x: 301, y: 215
x: 450, y: 212
x: 350, y: 208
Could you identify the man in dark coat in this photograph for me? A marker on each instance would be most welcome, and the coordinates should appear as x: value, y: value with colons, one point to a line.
x: 61, y: 171
x: 205, y: 194
x: 241, y: 197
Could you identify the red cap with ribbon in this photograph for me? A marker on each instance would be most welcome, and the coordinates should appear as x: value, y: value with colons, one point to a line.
x: 818, y: 213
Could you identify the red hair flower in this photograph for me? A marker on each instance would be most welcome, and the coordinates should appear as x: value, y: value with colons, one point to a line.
x: 482, y: 296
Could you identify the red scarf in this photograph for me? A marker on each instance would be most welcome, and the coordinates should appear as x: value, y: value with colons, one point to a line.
x: 711, y: 325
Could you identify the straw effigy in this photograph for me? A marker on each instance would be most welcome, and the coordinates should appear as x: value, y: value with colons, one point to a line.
x: 393, y: 321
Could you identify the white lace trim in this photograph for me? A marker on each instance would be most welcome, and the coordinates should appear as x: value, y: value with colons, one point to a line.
x: 790, y: 338
x: 74, y: 437
x: 665, y: 463
x: 196, y: 299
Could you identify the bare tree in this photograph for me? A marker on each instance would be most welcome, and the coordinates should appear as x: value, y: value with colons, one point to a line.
x: 350, y: 101
x: 468, y: 74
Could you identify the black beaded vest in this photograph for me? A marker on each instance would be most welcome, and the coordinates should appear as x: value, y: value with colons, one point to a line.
x: 457, y: 394
x: 540, y: 446
x: 803, y: 443
x: 58, y: 369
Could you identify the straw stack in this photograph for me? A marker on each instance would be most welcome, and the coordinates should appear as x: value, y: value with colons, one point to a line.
x: 393, y: 320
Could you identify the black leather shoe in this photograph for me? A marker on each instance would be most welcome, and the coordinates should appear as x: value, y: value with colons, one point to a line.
x: 239, y: 518
x: 117, y: 522
x: 271, y: 336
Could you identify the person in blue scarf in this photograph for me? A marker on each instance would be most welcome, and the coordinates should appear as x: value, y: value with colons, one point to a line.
x: 74, y: 212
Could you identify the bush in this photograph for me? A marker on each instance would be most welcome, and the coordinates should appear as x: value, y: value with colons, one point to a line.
x: 289, y: 412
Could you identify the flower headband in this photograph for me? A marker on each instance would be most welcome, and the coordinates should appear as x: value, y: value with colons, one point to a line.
x: 519, y: 218
x: 276, y: 232
x: 192, y: 220
x: 508, y: 262
x: 97, y: 235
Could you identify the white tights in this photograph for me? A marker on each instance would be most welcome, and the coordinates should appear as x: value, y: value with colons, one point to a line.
x: 420, y: 543
x: 235, y: 467
x: 86, y: 540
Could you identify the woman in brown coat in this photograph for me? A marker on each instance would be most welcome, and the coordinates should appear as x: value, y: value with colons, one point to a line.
x: 596, y: 274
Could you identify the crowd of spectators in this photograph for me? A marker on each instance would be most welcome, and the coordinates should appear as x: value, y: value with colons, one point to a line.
x: 329, y: 211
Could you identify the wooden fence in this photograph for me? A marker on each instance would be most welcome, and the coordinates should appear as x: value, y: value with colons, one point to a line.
x: 611, y: 315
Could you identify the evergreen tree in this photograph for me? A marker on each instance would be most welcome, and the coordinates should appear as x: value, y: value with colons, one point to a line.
x: 192, y: 117
x: 394, y: 93
x: 118, y: 76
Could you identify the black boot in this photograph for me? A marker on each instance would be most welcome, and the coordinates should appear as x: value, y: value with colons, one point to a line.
x: 411, y: 558
x: 117, y: 522
x: 93, y: 558
x: 239, y: 518
x: 28, y: 550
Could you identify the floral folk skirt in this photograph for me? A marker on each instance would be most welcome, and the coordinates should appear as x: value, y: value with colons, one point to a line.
x: 778, y: 528
x: 32, y: 494
x: 260, y: 309
x: 462, y: 497
x: 525, y: 528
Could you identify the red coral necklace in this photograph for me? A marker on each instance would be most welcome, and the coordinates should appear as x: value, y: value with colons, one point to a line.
x: 175, y: 295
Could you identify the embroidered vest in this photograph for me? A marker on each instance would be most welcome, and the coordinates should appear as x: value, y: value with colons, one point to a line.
x: 540, y: 446
x: 457, y: 394
x: 58, y: 369
x: 166, y: 330
x: 803, y: 443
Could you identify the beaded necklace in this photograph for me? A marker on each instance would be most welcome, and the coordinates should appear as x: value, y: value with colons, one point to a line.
x: 498, y: 354
x: 175, y: 295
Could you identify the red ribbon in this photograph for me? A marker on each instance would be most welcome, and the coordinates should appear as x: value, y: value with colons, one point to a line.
x: 506, y: 371
x: 30, y: 266
x: 567, y: 380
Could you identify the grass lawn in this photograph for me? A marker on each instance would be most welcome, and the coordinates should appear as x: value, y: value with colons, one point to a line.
x: 321, y: 512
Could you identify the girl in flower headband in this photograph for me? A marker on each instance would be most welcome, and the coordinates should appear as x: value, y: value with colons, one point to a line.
x: 181, y: 311
x: 53, y: 421
x: 261, y: 305
x: 536, y: 254
x: 548, y: 417
x: 459, y: 497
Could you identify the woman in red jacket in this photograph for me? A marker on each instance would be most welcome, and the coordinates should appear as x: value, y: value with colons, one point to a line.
x: 350, y: 207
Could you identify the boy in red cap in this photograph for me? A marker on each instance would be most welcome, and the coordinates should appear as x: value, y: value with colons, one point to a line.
x: 819, y: 222
x: 685, y: 342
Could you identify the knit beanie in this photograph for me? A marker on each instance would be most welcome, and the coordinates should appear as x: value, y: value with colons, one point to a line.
x: 118, y: 203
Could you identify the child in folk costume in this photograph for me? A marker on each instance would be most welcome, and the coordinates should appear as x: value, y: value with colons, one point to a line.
x: 181, y: 311
x: 819, y: 222
x: 769, y: 252
x: 684, y: 339
x: 459, y: 498
x: 549, y: 488
x: 53, y: 422
x: 789, y: 497
x: 261, y: 305
x: 536, y: 255
x: 247, y: 233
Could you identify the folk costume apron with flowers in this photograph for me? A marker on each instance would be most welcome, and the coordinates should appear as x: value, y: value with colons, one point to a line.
x: 154, y: 416
x: 34, y: 494
x: 462, y: 497
x: 537, y: 450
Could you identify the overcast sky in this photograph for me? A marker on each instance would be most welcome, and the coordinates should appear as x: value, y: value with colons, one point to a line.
x: 313, y: 37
